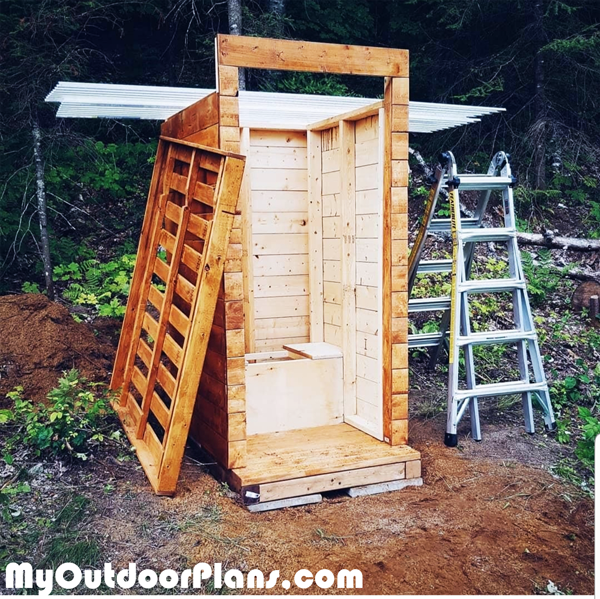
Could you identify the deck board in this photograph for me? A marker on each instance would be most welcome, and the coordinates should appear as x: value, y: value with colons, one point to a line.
x: 296, y: 454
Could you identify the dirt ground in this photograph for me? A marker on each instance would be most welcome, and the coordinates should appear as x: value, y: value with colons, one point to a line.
x: 489, y: 519
x: 40, y: 339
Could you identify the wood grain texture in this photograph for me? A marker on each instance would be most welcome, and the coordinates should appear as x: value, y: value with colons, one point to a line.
x: 291, y: 55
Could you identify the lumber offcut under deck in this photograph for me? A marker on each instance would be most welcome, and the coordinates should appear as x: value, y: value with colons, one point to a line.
x: 314, y: 460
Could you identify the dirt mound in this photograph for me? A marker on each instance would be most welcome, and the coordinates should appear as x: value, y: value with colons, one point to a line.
x: 39, y: 340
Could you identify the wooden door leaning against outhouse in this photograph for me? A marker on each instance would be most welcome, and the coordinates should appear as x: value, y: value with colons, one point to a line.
x: 179, y: 269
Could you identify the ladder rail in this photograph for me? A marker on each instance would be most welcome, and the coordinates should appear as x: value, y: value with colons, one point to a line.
x: 455, y: 327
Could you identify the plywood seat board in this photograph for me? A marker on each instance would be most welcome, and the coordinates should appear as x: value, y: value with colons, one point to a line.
x: 294, y: 454
x: 315, y: 351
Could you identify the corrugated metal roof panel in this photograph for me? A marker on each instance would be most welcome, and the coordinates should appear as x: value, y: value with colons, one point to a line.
x: 258, y: 110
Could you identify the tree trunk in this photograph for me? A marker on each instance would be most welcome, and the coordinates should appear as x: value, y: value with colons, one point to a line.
x: 277, y: 9
x: 42, y: 209
x: 234, y: 11
x: 540, y: 102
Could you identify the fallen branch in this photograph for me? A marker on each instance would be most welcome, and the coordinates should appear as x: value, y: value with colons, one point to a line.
x: 579, y: 274
x: 548, y: 239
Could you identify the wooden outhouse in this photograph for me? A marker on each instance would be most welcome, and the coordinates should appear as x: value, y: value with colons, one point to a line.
x: 304, y: 384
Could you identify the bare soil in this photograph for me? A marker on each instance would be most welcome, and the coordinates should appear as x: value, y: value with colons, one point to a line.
x: 39, y: 340
x: 490, y: 518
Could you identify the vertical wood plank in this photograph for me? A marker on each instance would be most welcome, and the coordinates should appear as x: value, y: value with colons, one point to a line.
x: 315, y: 239
x: 247, y: 265
x: 348, y: 219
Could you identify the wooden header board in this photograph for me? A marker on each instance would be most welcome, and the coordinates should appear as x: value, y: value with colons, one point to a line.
x: 313, y: 57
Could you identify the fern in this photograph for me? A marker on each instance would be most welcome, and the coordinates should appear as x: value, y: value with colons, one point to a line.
x: 103, y: 286
x: 542, y: 280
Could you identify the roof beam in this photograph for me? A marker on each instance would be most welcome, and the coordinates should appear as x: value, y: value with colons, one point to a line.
x: 313, y: 57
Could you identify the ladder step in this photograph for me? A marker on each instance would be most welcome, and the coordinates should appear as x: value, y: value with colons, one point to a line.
x: 493, y: 389
x: 441, y: 225
x: 496, y: 337
x: 423, y: 340
x: 482, y: 182
x: 430, y: 266
x: 491, y: 285
x: 488, y: 234
x: 429, y: 304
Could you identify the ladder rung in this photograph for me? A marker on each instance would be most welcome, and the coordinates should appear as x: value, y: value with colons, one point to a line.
x: 496, y: 337
x: 482, y: 182
x: 488, y: 234
x: 493, y: 389
x: 424, y: 340
x: 429, y: 304
x: 439, y: 225
x: 491, y: 285
x: 429, y: 266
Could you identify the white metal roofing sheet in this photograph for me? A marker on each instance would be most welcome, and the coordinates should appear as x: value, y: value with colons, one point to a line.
x: 258, y: 110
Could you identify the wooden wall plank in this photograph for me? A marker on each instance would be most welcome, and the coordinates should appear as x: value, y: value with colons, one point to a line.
x: 348, y: 263
x: 315, y: 236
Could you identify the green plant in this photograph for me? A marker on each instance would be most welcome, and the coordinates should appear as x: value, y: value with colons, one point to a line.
x: 28, y: 287
x: 590, y: 430
x: 101, y: 285
x: 72, y: 422
x: 542, y: 279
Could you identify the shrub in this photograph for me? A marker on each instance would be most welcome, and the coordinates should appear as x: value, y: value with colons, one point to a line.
x: 590, y: 429
x: 72, y: 422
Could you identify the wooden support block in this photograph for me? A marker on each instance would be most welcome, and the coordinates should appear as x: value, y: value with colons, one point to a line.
x: 399, y: 146
x: 399, y: 118
x: 283, y: 503
x: 399, y: 381
x: 400, y: 405
x: 235, y: 342
x: 413, y: 470
x: 399, y: 173
x: 400, y: 90
x: 399, y: 355
x: 399, y: 278
x: 399, y: 330
x: 228, y: 81
x: 396, y: 485
x: 399, y: 203
x: 399, y: 252
x: 229, y: 111
x: 234, y: 286
x: 236, y: 454
x: 236, y: 430
x: 399, y: 432
x: 399, y: 226
x: 399, y: 304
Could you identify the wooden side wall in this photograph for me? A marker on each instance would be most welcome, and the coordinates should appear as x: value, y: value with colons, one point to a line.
x: 219, y: 422
x: 395, y: 235
x: 369, y: 213
x: 331, y: 187
x: 278, y: 181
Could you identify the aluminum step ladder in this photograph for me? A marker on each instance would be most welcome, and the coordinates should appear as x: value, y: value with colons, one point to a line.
x: 466, y: 232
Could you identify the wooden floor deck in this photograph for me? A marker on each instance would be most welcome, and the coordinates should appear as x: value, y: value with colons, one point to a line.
x: 324, y: 458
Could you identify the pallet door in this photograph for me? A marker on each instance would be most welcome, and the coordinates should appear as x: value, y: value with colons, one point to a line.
x: 172, y: 302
